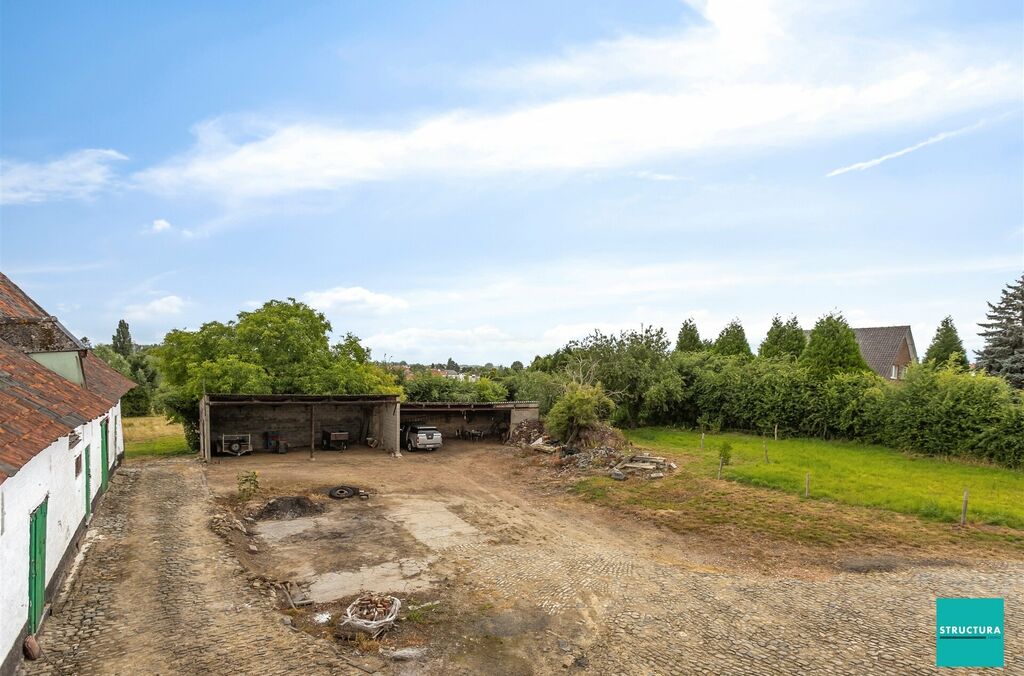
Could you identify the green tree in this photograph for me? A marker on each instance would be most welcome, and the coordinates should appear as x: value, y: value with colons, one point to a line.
x: 452, y: 365
x: 1003, y: 354
x: 282, y: 348
x: 581, y: 407
x: 946, y: 344
x: 783, y: 339
x: 122, y: 340
x: 517, y: 365
x: 732, y: 341
x: 832, y: 348
x: 688, y: 339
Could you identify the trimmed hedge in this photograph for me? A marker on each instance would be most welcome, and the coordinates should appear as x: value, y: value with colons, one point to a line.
x: 934, y: 411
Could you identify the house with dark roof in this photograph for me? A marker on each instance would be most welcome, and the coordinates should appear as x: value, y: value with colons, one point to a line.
x: 888, y: 350
x: 60, y: 441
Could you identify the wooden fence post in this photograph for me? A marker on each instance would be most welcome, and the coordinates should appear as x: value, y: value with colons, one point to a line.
x: 721, y: 461
x: 807, y: 485
x: 963, y: 510
x: 702, y: 441
x: 776, y: 431
x: 764, y: 446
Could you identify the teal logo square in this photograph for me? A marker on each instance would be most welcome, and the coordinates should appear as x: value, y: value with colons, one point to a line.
x: 969, y: 632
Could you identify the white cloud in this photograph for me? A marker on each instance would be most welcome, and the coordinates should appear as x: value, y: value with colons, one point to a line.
x: 658, y: 176
x: 81, y: 174
x: 354, y: 298
x: 750, y: 77
x: 157, y: 308
x: 535, y: 309
x: 160, y: 225
x: 942, y: 136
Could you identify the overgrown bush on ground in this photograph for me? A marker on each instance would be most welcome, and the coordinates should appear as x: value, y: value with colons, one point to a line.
x: 580, y: 408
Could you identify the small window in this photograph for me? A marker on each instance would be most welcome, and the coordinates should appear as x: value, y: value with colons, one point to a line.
x: 895, y: 372
x: 78, y: 465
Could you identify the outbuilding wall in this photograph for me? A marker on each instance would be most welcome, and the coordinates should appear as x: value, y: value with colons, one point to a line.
x: 51, y: 474
x: 294, y: 422
x: 450, y: 423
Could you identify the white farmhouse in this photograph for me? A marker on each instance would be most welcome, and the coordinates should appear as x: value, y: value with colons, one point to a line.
x: 60, y: 439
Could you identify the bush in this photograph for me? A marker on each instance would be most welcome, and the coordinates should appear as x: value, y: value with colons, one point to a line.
x: 580, y: 408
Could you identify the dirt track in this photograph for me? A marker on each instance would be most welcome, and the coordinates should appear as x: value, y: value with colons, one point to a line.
x: 538, y: 582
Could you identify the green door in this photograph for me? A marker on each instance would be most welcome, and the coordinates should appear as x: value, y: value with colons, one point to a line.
x: 104, y: 456
x: 88, y: 481
x: 37, y: 566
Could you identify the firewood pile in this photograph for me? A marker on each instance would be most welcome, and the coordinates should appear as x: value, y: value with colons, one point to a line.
x: 372, y: 613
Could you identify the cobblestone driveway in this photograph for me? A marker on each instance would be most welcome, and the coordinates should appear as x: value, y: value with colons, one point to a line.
x: 159, y: 593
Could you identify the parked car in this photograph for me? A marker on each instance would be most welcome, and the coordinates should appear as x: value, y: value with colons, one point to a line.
x: 421, y: 438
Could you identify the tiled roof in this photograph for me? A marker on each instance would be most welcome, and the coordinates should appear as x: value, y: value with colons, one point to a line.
x: 103, y: 380
x: 16, y: 303
x: 879, y: 345
x: 37, y: 407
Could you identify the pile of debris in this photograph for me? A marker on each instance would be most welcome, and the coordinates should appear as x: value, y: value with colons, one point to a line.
x: 525, y: 433
x: 288, y: 507
x: 583, y: 460
x: 371, y: 613
x: 647, y: 466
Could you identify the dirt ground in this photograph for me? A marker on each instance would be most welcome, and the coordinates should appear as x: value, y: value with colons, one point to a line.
x: 499, y: 569
x: 533, y: 580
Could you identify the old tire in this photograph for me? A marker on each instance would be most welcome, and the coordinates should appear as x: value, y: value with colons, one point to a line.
x: 342, y: 492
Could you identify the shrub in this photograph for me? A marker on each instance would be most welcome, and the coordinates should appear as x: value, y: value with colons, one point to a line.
x: 581, y: 407
x: 248, y: 485
x: 725, y: 453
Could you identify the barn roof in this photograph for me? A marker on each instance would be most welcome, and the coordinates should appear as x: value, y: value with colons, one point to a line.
x: 879, y: 345
x: 38, y: 406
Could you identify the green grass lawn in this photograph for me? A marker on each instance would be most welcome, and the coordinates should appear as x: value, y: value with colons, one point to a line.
x: 851, y: 473
x: 153, y: 436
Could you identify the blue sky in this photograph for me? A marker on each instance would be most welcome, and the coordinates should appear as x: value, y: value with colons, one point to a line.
x: 486, y: 182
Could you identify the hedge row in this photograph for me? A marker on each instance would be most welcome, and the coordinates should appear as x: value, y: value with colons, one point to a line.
x: 934, y: 411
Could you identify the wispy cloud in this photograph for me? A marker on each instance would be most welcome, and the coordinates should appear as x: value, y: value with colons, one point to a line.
x: 743, y: 79
x: 354, y: 298
x: 937, y: 138
x: 160, y: 225
x: 158, y: 308
x: 77, y: 175
x: 659, y: 176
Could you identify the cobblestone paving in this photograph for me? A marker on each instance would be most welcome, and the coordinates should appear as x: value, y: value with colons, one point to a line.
x: 642, y: 617
x: 160, y: 593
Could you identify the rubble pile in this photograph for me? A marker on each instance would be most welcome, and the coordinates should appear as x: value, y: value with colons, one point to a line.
x: 525, y: 433
x: 584, y: 460
x: 647, y: 466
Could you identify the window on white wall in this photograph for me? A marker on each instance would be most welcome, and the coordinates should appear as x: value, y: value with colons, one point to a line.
x: 78, y: 465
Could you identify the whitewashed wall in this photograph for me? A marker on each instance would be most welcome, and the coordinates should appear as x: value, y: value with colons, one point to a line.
x: 51, y: 473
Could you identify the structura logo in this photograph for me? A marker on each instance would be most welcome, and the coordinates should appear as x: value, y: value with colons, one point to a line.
x: 969, y: 632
